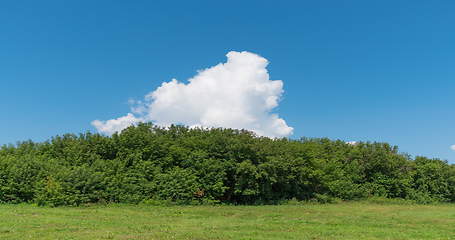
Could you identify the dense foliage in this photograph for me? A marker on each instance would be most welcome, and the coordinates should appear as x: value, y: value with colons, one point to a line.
x: 146, y: 163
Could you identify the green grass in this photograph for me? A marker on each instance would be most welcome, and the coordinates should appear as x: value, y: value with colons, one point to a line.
x: 354, y: 220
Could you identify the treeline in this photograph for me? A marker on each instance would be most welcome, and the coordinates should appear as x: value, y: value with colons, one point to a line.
x: 146, y: 163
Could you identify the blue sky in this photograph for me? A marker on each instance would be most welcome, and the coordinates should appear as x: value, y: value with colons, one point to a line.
x: 352, y: 70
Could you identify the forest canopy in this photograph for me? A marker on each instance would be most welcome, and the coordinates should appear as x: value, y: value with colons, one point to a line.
x: 147, y: 163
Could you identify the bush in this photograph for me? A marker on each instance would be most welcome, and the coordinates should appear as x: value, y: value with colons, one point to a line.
x: 178, y: 165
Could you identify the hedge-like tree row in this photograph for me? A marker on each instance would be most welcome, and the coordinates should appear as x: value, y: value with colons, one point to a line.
x: 149, y: 163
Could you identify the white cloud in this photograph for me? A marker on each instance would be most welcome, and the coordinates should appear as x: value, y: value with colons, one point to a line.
x: 236, y: 94
x: 115, y: 125
x: 452, y: 147
x: 353, y: 143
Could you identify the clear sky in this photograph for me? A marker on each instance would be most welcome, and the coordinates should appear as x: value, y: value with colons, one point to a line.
x: 352, y: 70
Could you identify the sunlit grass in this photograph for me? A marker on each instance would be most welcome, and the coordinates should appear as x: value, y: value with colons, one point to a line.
x: 355, y: 220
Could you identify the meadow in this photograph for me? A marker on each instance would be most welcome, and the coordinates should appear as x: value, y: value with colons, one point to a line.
x: 346, y: 220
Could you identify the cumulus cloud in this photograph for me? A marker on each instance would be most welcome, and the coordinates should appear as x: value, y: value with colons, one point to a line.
x: 236, y: 94
x: 452, y: 147
x: 115, y: 125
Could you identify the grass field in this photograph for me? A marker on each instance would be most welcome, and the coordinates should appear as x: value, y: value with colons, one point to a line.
x: 309, y: 221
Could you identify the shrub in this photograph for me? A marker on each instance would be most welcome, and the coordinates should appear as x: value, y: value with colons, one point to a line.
x: 180, y: 165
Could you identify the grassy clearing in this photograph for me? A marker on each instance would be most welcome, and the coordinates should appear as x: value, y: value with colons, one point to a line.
x: 311, y: 221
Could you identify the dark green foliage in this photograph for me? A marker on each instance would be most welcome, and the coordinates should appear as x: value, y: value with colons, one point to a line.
x: 146, y: 163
